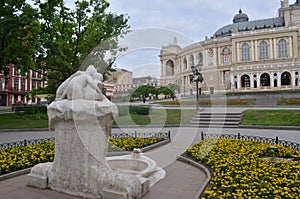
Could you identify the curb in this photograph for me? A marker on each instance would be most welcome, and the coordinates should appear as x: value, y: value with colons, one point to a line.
x: 200, y: 167
x: 109, y: 154
x: 270, y: 127
x: 23, y: 130
x: 15, y: 174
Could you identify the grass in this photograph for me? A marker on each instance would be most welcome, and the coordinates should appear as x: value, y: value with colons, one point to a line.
x: 20, y: 121
x: 157, y: 117
x: 271, y: 117
x: 207, y: 102
x: 4, y: 109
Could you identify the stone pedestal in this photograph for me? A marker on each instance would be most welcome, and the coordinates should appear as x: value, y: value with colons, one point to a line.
x: 80, y: 166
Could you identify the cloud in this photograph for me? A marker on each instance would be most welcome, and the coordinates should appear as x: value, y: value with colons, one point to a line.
x: 192, y: 19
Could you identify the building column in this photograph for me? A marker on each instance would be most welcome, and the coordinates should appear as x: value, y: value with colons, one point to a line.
x: 271, y: 49
x: 219, y: 56
x: 238, y: 81
x: 279, y: 79
x: 232, y: 81
x: 252, y: 51
x: 275, y: 48
x: 251, y: 81
x: 215, y: 56
x: 272, y: 80
x: 258, y: 80
x: 291, y: 47
x: 238, y: 52
x: 293, y: 78
x: 19, y: 85
x: 256, y: 51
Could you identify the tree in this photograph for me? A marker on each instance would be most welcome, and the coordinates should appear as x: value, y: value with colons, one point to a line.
x: 143, y: 91
x: 166, y: 91
x: 55, y: 40
x: 69, y: 36
x: 19, y: 35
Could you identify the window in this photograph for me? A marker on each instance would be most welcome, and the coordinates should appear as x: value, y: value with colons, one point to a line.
x: 192, y: 60
x: 265, y: 79
x: 200, y: 58
x: 282, y: 48
x: 23, y: 84
x: 185, y: 63
x: 170, y: 68
x: 286, y: 79
x: 16, y: 84
x: 226, y: 55
x: 245, y: 81
x: 245, y: 52
x: 263, y: 50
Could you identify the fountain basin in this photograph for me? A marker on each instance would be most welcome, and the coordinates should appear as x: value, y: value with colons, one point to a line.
x: 139, y: 165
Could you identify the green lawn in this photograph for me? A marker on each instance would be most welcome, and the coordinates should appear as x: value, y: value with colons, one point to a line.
x: 157, y: 117
x: 20, y: 121
x: 271, y: 117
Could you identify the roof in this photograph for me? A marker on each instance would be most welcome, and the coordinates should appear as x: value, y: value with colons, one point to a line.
x: 250, y: 25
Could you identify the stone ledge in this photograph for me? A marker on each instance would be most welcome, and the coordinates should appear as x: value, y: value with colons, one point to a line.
x: 27, y: 170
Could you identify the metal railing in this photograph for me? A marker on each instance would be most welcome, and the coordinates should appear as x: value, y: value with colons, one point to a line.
x: 164, y: 135
x: 275, y: 140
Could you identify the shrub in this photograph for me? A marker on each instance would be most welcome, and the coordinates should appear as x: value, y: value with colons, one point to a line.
x: 123, y: 110
x: 140, y: 110
x: 34, y: 109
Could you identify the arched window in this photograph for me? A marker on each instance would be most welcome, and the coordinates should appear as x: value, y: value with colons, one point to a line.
x: 245, y: 52
x: 184, y: 63
x: 226, y: 54
x: 265, y: 79
x: 263, y: 46
x: 192, y: 62
x: 282, y: 48
x: 200, y: 58
x: 245, y: 80
x: 170, y: 68
x: 285, y: 79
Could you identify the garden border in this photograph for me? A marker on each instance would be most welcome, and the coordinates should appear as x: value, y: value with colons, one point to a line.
x: 285, y: 143
x: 166, y: 140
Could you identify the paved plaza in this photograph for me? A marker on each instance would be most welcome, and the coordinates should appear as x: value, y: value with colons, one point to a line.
x: 182, y: 180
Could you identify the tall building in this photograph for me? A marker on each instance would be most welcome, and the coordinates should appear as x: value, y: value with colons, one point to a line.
x: 122, y: 80
x: 247, y: 55
x: 14, y: 87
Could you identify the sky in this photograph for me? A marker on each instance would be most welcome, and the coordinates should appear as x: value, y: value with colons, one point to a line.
x: 155, y: 23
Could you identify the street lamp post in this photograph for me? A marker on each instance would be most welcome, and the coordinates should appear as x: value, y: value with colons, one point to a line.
x: 197, y: 77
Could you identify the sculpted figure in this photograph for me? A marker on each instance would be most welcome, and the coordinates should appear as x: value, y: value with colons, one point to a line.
x: 81, y: 118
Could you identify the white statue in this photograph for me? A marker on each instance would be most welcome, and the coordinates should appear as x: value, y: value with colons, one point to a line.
x: 81, y: 117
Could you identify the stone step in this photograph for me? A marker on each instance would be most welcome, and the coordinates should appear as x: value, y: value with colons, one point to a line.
x: 216, y: 120
x: 213, y: 126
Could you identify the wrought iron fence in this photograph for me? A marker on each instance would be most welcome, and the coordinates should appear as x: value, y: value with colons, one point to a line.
x: 164, y: 135
x: 24, y: 143
x: 275, y: 140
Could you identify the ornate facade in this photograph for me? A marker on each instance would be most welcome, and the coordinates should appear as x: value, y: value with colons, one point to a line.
x: 255, y: 55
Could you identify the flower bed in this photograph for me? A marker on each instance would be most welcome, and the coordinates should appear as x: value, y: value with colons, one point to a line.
x: 241, y: 171
x: 13, y: 159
